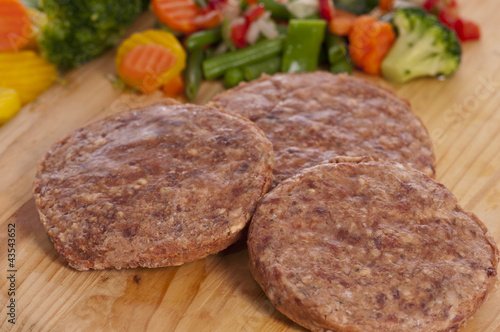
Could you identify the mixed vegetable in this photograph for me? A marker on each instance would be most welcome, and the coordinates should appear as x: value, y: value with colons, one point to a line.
x: 231, y: 40
x: 239, y: 40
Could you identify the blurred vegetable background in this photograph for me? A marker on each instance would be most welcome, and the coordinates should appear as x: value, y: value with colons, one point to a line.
x: 232, y: 40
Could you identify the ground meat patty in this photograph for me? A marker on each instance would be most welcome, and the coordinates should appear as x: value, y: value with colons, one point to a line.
x: 312, y: 117
x: 158, y: 186
x: 362, y: 245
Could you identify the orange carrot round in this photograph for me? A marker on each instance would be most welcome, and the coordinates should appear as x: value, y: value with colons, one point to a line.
x: 386, y: 5
x: 178, y: 15
x: 143, y: 66
x: 15, y: 26
x: 341, y: 23
x: 369, y: 42
x: 174, y: 87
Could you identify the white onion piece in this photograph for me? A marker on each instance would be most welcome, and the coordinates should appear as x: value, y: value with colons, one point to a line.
x: 231, y: 9
x: 253, y: 33
x: 303, y: 8
x: 268, y: 29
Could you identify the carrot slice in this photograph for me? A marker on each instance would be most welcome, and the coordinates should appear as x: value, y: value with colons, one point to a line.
x: 369, y: 42
x: 341, y: 23
x: 144, y: 65
x: 15, y: 25
x: 386, y: 5
x: 177, y: 14
x: 174, y: 87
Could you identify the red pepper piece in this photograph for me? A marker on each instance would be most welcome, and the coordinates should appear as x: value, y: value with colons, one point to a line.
x: 467, y: 30
x: 448, y: 18
x: 254, y: 13
x: 326, y: 9
x: 216, y: 4
x: 431, y: 5
x: 238, y: 33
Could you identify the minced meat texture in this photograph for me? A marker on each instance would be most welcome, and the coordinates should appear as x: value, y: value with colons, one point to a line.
x: 312, y: 117
x: 152, y: 187
x: 363, y: 245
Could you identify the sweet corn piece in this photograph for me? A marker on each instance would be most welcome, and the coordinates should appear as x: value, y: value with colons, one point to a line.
x: 27, y: 73
x: 10, y: 104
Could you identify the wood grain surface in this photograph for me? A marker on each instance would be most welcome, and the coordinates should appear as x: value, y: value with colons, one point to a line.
x: 218, y: 293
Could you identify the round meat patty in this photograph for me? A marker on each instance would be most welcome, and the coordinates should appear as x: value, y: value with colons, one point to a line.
x: 312, y: 117
x: 363, y: 245
x: 152, y: 187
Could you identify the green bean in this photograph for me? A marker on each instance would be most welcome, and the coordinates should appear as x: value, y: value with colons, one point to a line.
x: 337, y: 48
x: 232, y: 77
x: 337, y: 54
x: 269, y: 66
x: 344, y: 66
x: 192, y: 73
x: 303, y: 45
x: 277, y: 9
x: 218, y: 65
x: 203, y: 38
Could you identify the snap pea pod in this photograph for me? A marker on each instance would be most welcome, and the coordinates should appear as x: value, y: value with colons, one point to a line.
x: 192, y: 73
x: 218, y: 65
x: 303, y: 45
x: 269, y: 66
x: 232, y: 77
x: 277, y: 9
x: 203, y: 38
x: 337, y: 54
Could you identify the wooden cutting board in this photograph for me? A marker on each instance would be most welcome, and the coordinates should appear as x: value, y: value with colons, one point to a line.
x: 218, y: 293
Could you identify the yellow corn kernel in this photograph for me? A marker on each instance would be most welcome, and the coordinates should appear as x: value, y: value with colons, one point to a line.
x: 27, y: 73
x: 10, y: 104
x: 157, y: 37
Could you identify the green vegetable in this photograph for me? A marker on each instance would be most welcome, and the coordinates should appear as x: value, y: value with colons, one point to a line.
x: 226, y: 34
x: 232, y: 77
x: 277, y: 9
x: 337, y: 54
x: 357, y: 7
x: 269, y: 66
x: 341, y: 67
x: 78, y: 31
x: 192, y: 73
x: 424, y: 47
x: 303, y: 45
x: 203, y: 38
x: 218, y: 65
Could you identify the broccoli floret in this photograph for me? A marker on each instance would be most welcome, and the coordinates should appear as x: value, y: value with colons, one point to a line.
x: 78, y: 31
x: 424, y: 47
